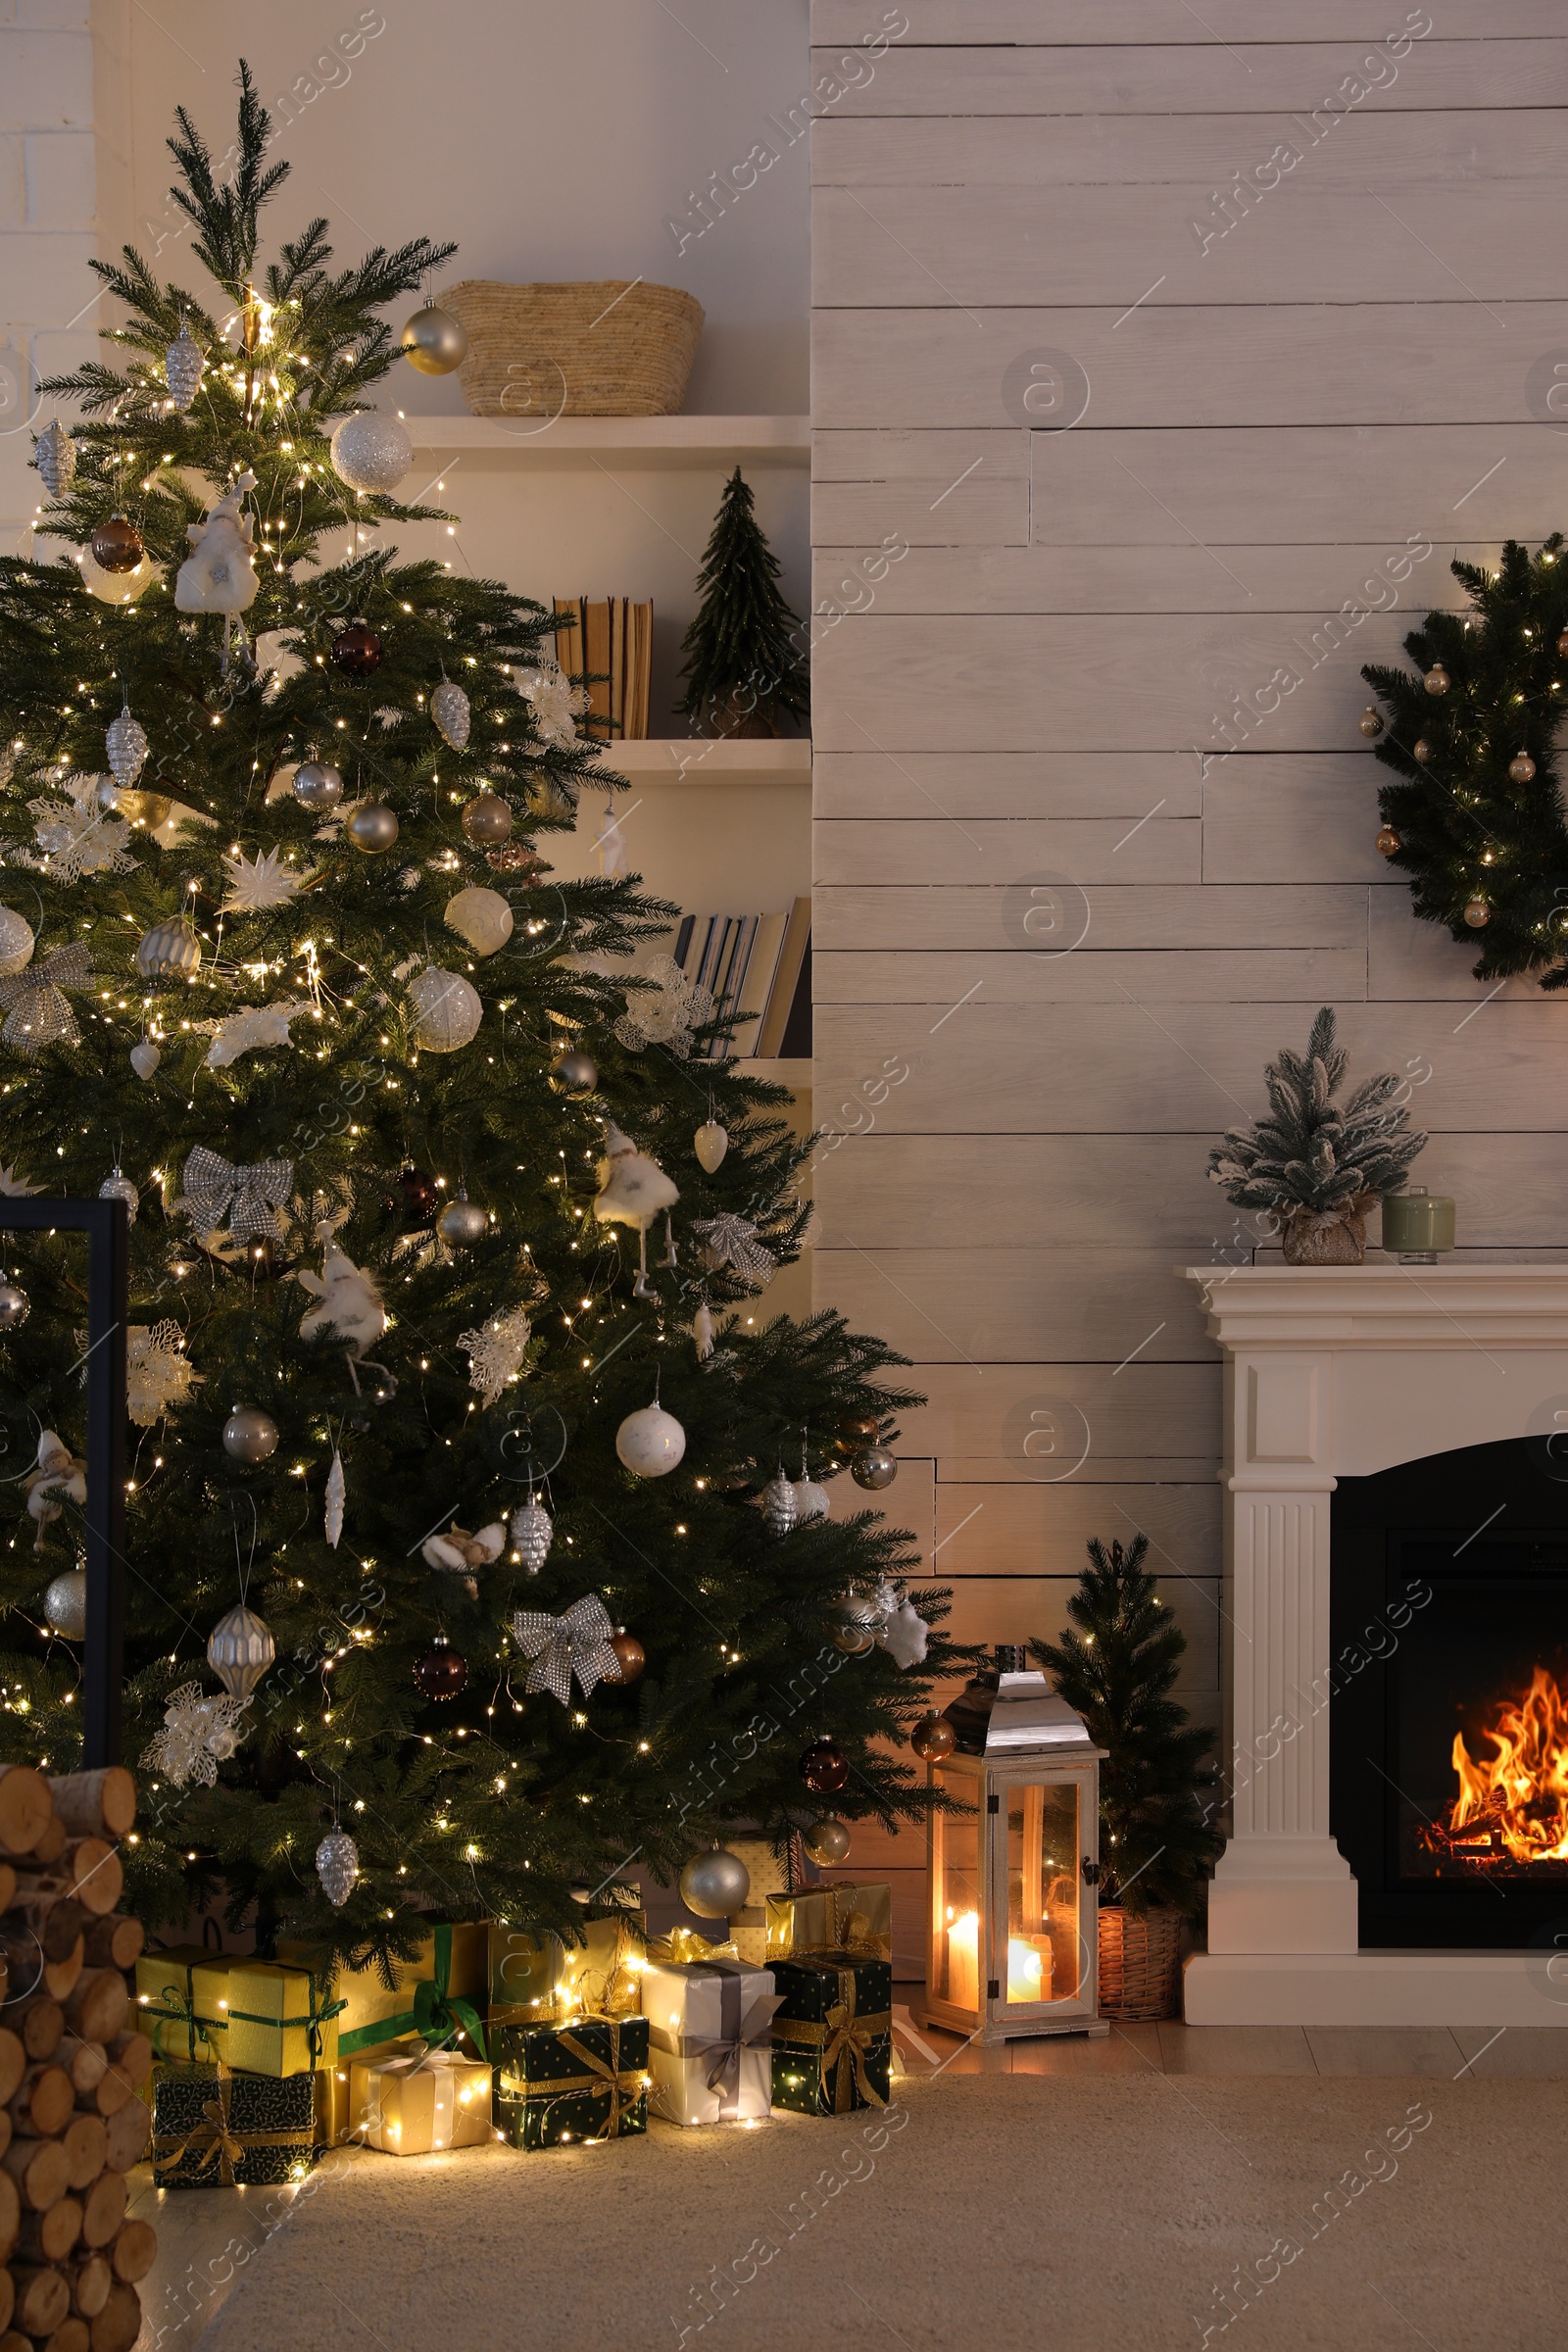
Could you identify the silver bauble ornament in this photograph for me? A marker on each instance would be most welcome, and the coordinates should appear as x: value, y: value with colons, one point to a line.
x: 318, y: 786
x: 126, y: 746
x: 15, y: 1306
x: 778, y: 1505
x: 373, y: 828
x: 250, y: 1434
x: 715, y: 1885
x: 115, y: 1187
x: 54, y: 452
x: 650, y: 1443
x: 337, y: 1866
x: 145, y: 1058
x: 447, y: 1010
x: 434, y: 341
x: 874, y: 1469
x: 461, y: 1223
x: 239, y: 1650
x: 710, y: 1143
x: 487, y: 819
x: 16, y: 943
x: 449, y: 707
x: 827, y: 1841
x: 481, y: 916
x: 371, y: 452
x: 170, y: 951
x: 183, y: 368
x: 812, y: 1502
x: 65, y: 1605
x: 576, y: 1073
x: 531, y: 1531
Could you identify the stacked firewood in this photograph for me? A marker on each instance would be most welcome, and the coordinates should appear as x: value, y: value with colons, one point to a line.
x: 73, y: 2070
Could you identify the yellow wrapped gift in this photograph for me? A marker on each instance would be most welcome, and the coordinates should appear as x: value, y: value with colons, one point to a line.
x: 835, y: 1917
x: 542, y: 1980
x: 420, y: 2103
x: 282, y: 2019
x: 439, y: 1994
x: 180, y: 1993
x: 769, y: 1876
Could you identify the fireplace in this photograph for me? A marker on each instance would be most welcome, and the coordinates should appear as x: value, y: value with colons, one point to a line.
x: 1448, y: 1697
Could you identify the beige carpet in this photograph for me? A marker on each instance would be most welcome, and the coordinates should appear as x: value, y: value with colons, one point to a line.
x: 1044, y: 2214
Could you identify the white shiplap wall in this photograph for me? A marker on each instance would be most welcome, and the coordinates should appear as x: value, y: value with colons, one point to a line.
x: 1302, y: 419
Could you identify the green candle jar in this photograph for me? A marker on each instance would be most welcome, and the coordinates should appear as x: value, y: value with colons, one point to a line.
x: 1417, y: 1225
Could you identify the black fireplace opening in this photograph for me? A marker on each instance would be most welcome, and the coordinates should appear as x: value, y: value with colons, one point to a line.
x: 1447, y: 1696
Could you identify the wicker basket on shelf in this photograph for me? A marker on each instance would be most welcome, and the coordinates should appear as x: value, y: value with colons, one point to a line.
x: 612, y: 348
x: 1140, y: 1964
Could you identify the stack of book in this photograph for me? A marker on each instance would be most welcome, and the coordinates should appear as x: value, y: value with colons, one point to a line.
x: 758, y: 969
x: 614, y: 645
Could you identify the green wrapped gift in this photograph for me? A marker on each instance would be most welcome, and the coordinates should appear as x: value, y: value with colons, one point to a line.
x: 832, y: 2033
x: 541, y: 1980
x: 439, y: 1994
x: 216, y: 2130
x: 180, y: 1996
x: 558, y: 2084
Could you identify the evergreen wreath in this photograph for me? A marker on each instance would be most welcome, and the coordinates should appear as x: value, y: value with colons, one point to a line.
x: 1474, y: 816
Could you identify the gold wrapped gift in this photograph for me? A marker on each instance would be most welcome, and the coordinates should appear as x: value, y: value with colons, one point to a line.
x: 835, y: 1917
x: 422, y: 2102
x: 439, y: 1994
x: 282, y: 2019
x: 542, y: 1980
x: 769, y: 1876
x: 180, y: 1996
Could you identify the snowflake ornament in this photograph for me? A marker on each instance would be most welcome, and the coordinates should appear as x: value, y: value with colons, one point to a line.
x: 247, y: 1030
x: 12, y: 1187
x: 75, y: 836
x: 256, y: 885
x: 201, y: 1731
x: 557, y: 707
x: 495, y: 1354
x: 730, y: 1242
x: 668, y: 1016
x: 158, y: 1373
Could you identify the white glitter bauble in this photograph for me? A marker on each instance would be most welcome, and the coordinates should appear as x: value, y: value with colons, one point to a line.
x: 16, y: 943
x: 449, y: 707
x: 117, y: 1186
x: 239, y: 1650
x: 126, y: 746
x: 812, y: 1502
x: 531, y: 1531
x: 447, y: 1010
x: 65, y: 1605
x: 481, y: 916
x: 370, y: 452
x: 337, y: 1866
x: 651, y: 1441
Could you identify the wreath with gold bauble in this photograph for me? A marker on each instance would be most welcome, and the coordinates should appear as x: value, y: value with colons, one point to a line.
x: 1473, y: 812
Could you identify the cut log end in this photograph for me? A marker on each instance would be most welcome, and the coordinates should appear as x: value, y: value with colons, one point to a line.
x: 26, y: 1808
x: 119, y: 2324
x: 95, y: 1804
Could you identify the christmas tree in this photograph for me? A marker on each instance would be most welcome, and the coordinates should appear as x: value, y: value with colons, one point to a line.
x: 1118, y: 1670
x: 744, y: 668
x: 301, y: 990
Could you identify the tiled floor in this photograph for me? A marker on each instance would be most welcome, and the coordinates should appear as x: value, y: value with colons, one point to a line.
x: 1177, y: 2049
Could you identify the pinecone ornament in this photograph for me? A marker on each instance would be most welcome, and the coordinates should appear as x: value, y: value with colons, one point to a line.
x: 337, y: 1866
x: 55, y: 456
x: 779, y: 1506
x: 531, y: 1531
x: 449, y: 707
x: 126, y: 747
x: 183, y: 368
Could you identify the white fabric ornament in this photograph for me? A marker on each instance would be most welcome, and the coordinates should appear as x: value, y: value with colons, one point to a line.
x: 900, y: 1629
x: 76, y: 836
x: 337, y: 1866
x: 496, y: 1352
x: 482, y: 917
x: 557, y: 707
x: 447, y: 1010
x: 633, y: 1188
x: 575, y: 1644
x: 126, y: 747
x: 349, y: 1305
x: 36, y: 1012
x: 710, y: 1143
x: 201, y: 1731
x: 183, y: 368
x: 668, y: 1015
x: 370, y: 452
x: 247, y: 1030
x: 119, y: 1187
x: 611, y: 846
x: 17, y: 942
x: 731, y: 1242
x: 779, y: 1507
x: 54, y: 452
x: 336, y: 1496
x: 812, y: 1502
x: 249, y: 1197
x: 218, y: 575
x: 449, y: 707
x: 158, y: 1373
x: 256, y: 885
x: 458, y: 1553
x: 703, y: 1332
x: 651, y: 1443
x: 60, y: 1478
x: 12, y: 1187
x: 532, y: 1530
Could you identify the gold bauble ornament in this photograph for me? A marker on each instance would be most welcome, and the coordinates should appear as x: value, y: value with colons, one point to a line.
x: 1388, y: 841
x: 1422, y: 750
x: 1562, y: 645
x: 487, y: 819
x: 1521, y: 767
x: 434, y: 341
x: 1437, y: 679
x: 1370, y: 722
x: 1477, y: 913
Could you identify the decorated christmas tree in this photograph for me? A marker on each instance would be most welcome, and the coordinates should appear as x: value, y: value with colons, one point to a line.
x: 745, y: 668
x: 465, y: 1542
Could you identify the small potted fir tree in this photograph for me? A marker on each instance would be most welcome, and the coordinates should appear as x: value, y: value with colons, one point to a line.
x: 1116, y: 1664
x: 745, y: 672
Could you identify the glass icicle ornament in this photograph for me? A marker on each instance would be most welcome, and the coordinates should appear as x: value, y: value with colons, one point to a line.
x: 449, y: 709
x: 183, y: 368
x: 239, y: 1650
x: 337, y: 1866
x: 126, y: 745
x: 532, y: 1530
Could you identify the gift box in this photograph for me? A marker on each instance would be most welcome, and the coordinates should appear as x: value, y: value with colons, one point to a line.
x: 836, y: 1917
x: 832, y: 2033
x: 213, y: 2129
x: 439, y: 1994
x: 684, y: 1943
x: 542, y: 1980
x: 180, y: 1993
x: 708, y: 2040
x: 555, y: 2084
x: 420, y: 2103
x: 769, y: 1876
x: 283, y: 2019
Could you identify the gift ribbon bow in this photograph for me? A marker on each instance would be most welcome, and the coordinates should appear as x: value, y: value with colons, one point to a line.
x: 577, y: 1642
x: 602, y: 1991
x: 180, y: 2007
x: 625, y: 2085
x: 437, y: 2014
x: 244, y: 1198
x: 222, y: 2146
x: 843, y: 2039
x: 36, y: 1013
x: 317, y: 2017
x: 683, y: 1944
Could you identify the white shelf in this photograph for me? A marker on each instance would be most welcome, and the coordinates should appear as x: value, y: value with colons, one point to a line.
x: 689, y: 760
x: 580, y: 441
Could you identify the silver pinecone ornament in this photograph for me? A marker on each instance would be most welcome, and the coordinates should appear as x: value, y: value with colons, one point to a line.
x: 449, y: 707
x: 117, y: 1186
x: 54, y: 452
x: 779, y: 1506
x: 183, y: 368
x: 531, y: 1531
x: 126, y: 746
x: 337, y: 1866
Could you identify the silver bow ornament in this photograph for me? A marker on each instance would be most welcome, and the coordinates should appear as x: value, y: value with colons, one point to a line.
x: 244, y: 1199
x: 36, y: 1013
x: 578, y: 1644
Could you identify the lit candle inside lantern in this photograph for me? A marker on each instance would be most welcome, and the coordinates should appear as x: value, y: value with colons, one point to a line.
x: 963, y: 1961
x: 1028, y: 1969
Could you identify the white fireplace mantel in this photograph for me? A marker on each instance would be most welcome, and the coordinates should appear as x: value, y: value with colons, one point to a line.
x: 1330, y: 1372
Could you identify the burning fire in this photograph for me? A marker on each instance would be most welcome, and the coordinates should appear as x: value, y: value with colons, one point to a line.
x: 1514, y: 1808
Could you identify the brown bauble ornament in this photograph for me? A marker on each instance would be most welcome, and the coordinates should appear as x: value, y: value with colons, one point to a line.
x: 357, y: 650
x: 442, y: 1672
x: 631, y: 1653
x: 933, y: 1738
x: 1388, y: 841
x: 420, y: 1199
x: 1370, y: 723
x: 825, y: 1768
x: 854, y: 1433
x: 1437, y: 679
x: 117, y: 544
x: 1422, y: 750
x: 1562, y: 645
x: 1477, y: 913
x: 487, y: 820
x: 827, y: 1841
x: 1521, y: 768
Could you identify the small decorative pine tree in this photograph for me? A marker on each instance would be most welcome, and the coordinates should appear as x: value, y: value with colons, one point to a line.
x: 742, y: 667
x: 1316, y: 1164
x: 1118, y: 1671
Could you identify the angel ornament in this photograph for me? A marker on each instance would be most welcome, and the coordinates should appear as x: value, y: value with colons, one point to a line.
x: 219, y: 576
x: 349, y: 1303
x: 60, y: 1478
x: 632, y: 1191
x: 461, y: 1555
